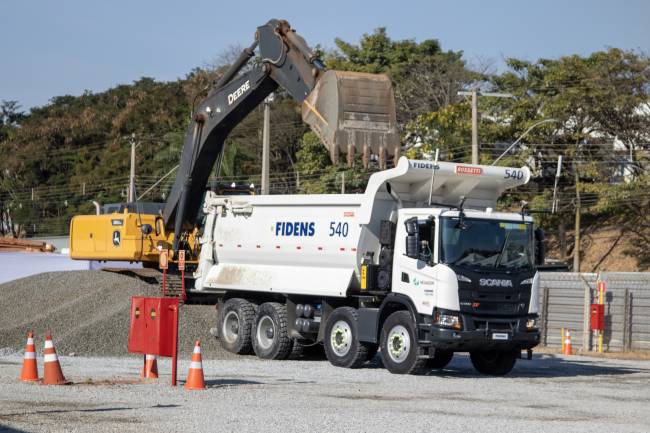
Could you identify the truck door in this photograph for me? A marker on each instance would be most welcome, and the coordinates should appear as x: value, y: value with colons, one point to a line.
x: 415, y: 255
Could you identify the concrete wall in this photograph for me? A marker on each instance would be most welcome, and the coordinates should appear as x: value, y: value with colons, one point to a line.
x: 565, y: 300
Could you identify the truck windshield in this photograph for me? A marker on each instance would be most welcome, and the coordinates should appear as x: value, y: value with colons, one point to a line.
x: 487, y: 244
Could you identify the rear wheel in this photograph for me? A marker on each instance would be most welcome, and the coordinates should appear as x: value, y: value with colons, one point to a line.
x: 440, y: 359
x: 494, y: 362
x: 270, y: 338
x: 400, y: 351
x: 235, y: 322
x: 342, y: 345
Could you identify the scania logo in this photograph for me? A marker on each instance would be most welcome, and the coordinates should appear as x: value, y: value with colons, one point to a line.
x: 493, y: 282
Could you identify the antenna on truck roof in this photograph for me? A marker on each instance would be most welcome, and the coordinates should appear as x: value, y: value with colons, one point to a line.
x: 433, y: 174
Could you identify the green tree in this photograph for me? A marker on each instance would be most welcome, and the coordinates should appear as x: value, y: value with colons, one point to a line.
x: 425, y: 77
x: 319, y: 176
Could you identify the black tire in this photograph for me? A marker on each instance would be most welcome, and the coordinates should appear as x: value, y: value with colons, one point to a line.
x: 296, y: 351
x: 494, y: 362
x: 342, y: 345
x: 235, y: 324
x: 402, y: 354
x: 270, y: 338
x: 440, y: 359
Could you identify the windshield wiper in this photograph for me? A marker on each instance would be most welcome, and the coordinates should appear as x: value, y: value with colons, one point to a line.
x: 497, y: 262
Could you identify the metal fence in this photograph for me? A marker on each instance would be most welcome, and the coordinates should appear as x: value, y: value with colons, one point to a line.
x: 565, y: 300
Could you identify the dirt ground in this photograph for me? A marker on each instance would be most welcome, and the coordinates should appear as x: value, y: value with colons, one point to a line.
x: 549, y: 394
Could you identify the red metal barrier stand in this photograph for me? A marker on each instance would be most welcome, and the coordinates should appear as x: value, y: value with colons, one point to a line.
x: 183, y: 284
x: 174, y: 309
x: 164, y: 284
x: 163, y: 263
x: 181, y: 267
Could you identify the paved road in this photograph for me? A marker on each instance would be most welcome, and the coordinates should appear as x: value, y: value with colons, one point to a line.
x: 548, y: 394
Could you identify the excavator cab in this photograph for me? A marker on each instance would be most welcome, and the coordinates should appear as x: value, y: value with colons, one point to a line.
x: 354, y: 112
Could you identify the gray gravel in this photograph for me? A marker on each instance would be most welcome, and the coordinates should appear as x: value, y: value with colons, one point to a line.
x: 548, y: 394
x: 87, y: 313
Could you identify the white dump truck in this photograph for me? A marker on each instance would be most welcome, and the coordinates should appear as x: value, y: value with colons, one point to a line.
x: 419, y: 266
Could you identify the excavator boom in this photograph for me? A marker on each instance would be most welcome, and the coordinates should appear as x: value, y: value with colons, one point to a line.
x: 350, y: 112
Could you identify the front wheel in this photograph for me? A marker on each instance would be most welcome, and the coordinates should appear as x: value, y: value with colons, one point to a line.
x: 400, y: 352
x: 493, y: 362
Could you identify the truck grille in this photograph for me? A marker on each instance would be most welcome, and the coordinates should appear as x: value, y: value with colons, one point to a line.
x: 494, y: 326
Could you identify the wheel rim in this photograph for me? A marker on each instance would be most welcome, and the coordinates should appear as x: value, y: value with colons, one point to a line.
x: 230, y: 330
x: 399, y: 344
x: 341, y: 338
x: 265, y: 332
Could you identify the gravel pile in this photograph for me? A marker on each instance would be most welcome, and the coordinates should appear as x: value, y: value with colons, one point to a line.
x: 87, y: 313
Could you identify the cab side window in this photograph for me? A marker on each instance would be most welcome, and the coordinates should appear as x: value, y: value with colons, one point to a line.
x: 427, y: 238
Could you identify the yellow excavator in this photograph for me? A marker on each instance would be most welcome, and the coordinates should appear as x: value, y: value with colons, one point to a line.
x: 351, y: 112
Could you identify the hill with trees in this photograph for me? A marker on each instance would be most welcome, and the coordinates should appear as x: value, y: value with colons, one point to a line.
x: 595, y: 112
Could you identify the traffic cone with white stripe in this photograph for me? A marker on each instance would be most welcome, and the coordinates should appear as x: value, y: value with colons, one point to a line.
x: 567, y: 349
x: 195, y: 375
x: 52, y: 374
x: 150, y: 367
x: 30, y: 369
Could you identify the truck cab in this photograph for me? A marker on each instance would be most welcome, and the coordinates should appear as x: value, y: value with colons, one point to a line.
x: 471, y: 275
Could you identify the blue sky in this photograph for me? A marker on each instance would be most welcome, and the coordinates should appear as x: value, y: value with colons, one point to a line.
x: 61, y: 47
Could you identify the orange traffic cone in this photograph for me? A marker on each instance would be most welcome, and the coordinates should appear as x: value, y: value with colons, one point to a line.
x: 567, y: 350
x: 195, y: 375
x: 30, y: 369
x: 52, y: 374
x: 150, y: 367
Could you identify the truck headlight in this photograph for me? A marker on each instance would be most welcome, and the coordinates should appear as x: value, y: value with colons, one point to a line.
x: 448, y: 320
x: 463, y: 278
x: 531, y: 324
x: 527, y: 281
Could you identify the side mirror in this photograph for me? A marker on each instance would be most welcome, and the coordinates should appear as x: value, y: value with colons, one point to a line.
x: 146, y: 229
x: 412, y: 238
x: 540, y: 248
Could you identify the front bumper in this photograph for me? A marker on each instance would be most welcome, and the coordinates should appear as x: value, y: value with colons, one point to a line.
x: 480, y: 333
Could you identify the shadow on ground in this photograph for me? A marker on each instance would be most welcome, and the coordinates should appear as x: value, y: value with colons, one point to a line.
x: 7, y: 429
x: 545, y: 366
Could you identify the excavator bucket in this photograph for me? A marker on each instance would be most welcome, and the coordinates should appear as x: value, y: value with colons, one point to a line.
x: 354, y: 112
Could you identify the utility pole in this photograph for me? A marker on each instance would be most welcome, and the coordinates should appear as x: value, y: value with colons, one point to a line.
x: 266, y: 144
x: 576, y: 247
x: 131, y: 197
x: 475, y: 158
x: 342, y: 182
x: 474, y: 93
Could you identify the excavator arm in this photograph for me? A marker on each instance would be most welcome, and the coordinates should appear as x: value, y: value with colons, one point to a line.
x: 349, y: 111
x: 285, y: 61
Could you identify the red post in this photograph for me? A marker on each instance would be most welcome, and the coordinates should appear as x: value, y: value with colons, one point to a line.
x: 181, y: 267
x: 174, y: 343
x: 183, y: 284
